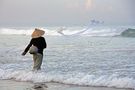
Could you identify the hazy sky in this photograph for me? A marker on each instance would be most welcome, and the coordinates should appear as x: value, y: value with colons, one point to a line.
x: 65, y: 12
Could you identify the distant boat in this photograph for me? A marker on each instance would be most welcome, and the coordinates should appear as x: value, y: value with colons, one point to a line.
x: 96, y: 22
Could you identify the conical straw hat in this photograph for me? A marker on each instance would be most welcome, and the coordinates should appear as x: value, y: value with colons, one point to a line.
x: 37, y: 33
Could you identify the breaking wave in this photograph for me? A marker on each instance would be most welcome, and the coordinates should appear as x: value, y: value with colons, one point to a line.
x: 73, y: 31
x: 70, y: 78
x: 128, y: 32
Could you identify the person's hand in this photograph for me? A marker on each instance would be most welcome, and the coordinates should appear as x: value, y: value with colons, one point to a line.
x: 23, y: 53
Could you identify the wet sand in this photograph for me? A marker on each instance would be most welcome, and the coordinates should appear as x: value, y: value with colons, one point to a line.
x: 15, y: 85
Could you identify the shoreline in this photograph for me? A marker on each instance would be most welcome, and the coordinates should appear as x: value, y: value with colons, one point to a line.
x: 17, y: 85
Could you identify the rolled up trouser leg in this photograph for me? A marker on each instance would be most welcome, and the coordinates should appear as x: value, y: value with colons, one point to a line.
x: 37, y: 61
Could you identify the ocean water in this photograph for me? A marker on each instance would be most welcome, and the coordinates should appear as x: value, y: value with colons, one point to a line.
x: 97, y: 56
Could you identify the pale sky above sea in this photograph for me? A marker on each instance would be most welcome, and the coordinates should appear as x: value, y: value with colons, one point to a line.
x: 65, y: 12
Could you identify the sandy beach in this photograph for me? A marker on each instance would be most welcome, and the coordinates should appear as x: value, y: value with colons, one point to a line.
x: 16, y: 85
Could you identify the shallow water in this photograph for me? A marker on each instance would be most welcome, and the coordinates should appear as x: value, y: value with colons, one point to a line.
x: 80, y: 60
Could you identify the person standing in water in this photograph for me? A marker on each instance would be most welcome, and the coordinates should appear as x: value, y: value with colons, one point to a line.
x: 36, y: 47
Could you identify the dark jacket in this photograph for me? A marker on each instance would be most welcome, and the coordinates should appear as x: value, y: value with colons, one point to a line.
x: 40, y: 43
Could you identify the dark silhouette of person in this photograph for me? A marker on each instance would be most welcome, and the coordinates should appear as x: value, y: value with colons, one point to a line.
x: 36, y: 47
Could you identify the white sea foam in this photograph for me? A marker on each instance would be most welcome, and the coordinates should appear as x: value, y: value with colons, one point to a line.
x: 66, y: 31
x: 74, y: 78
x: 15, y: 31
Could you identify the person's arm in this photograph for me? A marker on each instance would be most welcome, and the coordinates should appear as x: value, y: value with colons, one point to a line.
x: 27, y: 48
